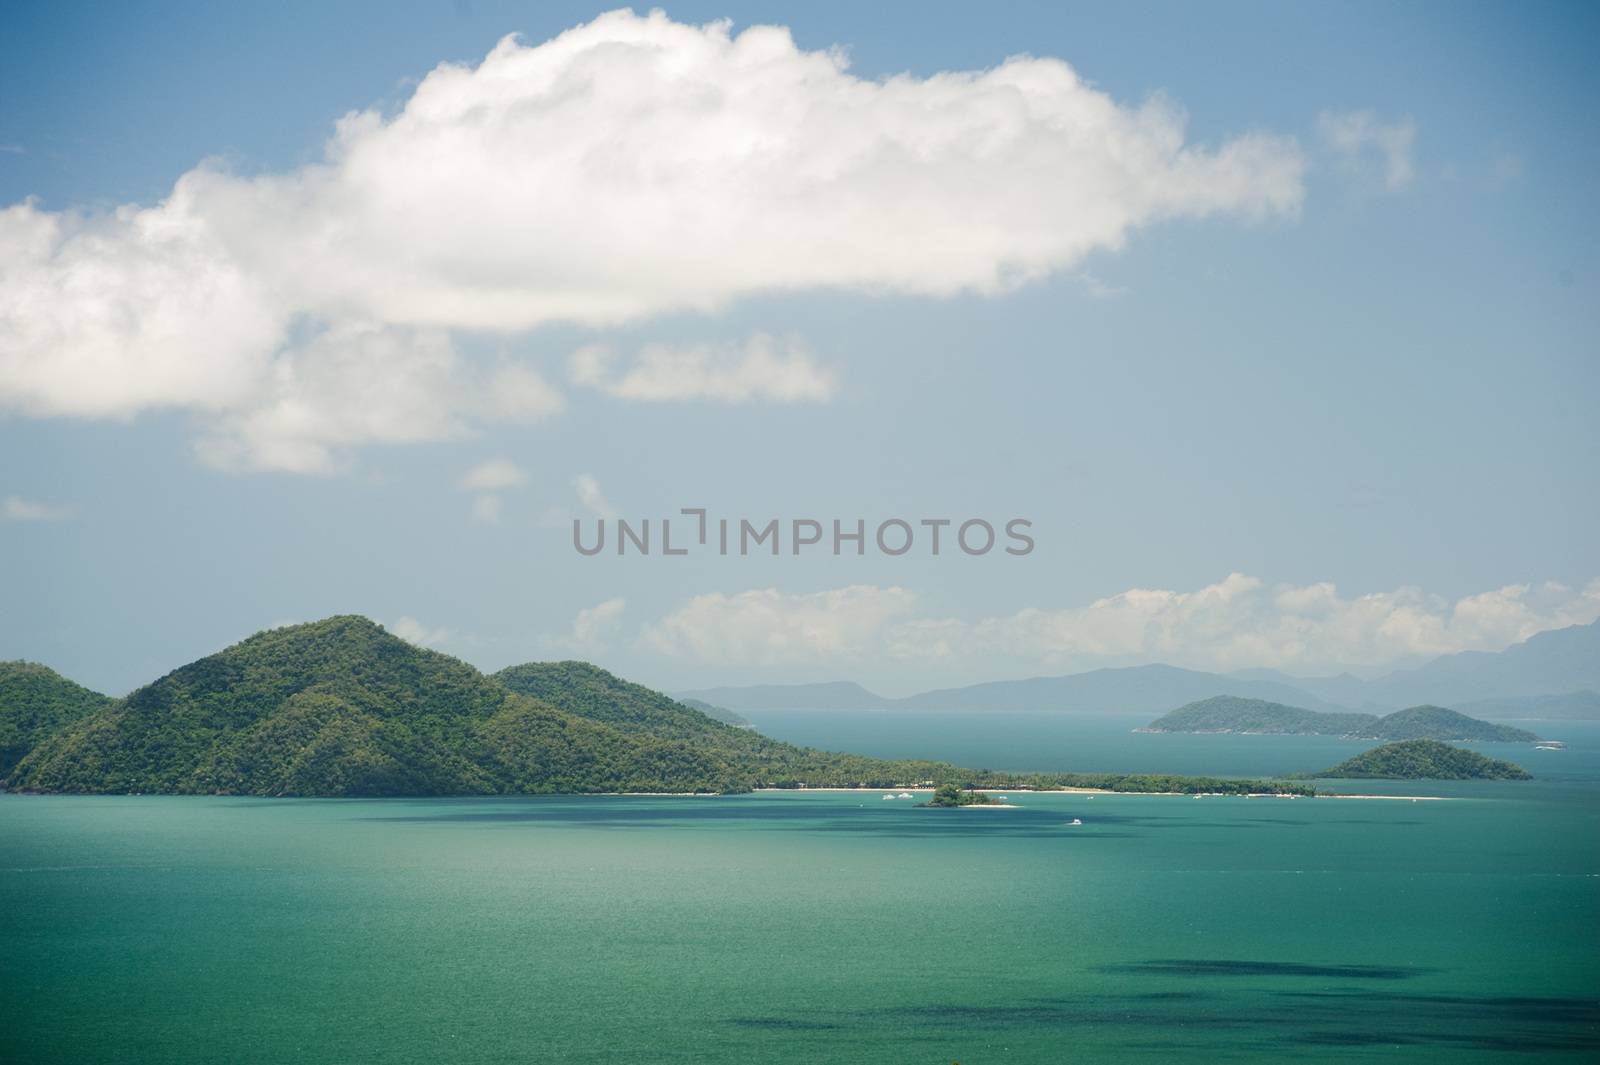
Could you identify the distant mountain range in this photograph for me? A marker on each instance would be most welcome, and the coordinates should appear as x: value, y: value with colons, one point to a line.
x: 1552, y: 674
x: 831, y: 695
x: 1136, y: 689
x: 1572, y: 706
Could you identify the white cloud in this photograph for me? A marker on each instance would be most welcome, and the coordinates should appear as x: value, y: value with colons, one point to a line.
x: 359, y: 384
x: 495, y: 475
x: 1357, y: 135
x: 628, y: 167
x: 591, y: 497
x: 488, y: 478
x: 768, y: 627
x: 596, y: 624
x: 415, y: 632
x: 16, y: 508
x: 759, y: 369
x: 1238, y: 622
x: 1098, y: 289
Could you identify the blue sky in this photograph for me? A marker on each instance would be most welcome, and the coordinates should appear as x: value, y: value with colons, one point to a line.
x: 1341, y: 418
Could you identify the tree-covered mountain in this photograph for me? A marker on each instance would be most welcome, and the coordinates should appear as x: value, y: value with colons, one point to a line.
x: 1424, y: 760
x: 341, y: 707
x: 1440, y: 723
x: 36, y: 701
x: 1227, y: 713
x: 1230, y: 713
x: 586, y: 690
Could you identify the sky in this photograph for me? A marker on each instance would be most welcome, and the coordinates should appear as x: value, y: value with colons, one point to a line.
x: 1275, y: 322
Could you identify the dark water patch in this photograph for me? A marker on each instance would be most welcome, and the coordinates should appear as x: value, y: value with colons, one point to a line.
x: 1350, y: 1039
x: 1501, y: 1008
x: 1228, y: 967
x: 1497, y: 1042
x: 783, y: 1024
x: 1246, y: 1021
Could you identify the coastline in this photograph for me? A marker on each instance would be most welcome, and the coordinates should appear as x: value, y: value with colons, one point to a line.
x: 1108, y: 791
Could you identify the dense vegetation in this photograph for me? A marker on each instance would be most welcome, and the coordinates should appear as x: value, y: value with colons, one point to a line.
x: 341, y: 708
x: 1227, y: 713
x: 953, y: 795
x: 36, y: 701
x: 1439, y: 723
x: 1425, y: 760
x: 589, y: 691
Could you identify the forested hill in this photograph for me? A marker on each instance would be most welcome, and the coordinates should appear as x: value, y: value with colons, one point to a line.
x: 1424, y: 760
x: 588, y: 691
x: 1227, y: 713
x: 341, y: 707
x: 1441, y: 723
x: 36, y: 701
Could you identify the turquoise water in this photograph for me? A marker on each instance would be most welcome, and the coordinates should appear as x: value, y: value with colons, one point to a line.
x: 1090, y: 743
x: 833, y: 928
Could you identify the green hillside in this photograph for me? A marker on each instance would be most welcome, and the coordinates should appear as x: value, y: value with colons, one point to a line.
x: 1424, y: 760
x: 589, y: 691
x: 1227, y: 713
x: 341, y: 707
x: 1439, y: 723
x: 36, y: 701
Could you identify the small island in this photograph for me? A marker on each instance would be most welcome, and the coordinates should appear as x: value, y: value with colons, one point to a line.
x: 1227, y: 713
x: 1424, y: 760
x: 954, y: 795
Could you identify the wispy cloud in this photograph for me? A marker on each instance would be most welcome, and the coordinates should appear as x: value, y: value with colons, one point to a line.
x: 760, y: 368
x: 413, y: 631
x: 488, y: 479
x: 16, y: 508
x: 591, y: 497
x: 1358, y: 136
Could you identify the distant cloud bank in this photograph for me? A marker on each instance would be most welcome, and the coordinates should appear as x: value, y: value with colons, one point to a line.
x: 1239, y: 622
x: 629, y: 167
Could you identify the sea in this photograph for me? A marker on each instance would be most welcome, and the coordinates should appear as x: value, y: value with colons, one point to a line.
x: 824, y: 927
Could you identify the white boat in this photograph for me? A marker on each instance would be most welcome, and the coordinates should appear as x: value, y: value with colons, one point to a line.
x: 888, y: 798
x: 1077, y: 821
x: 906, y: 795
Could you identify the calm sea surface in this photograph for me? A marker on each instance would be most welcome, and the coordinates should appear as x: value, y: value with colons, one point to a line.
x: 820, y: 928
